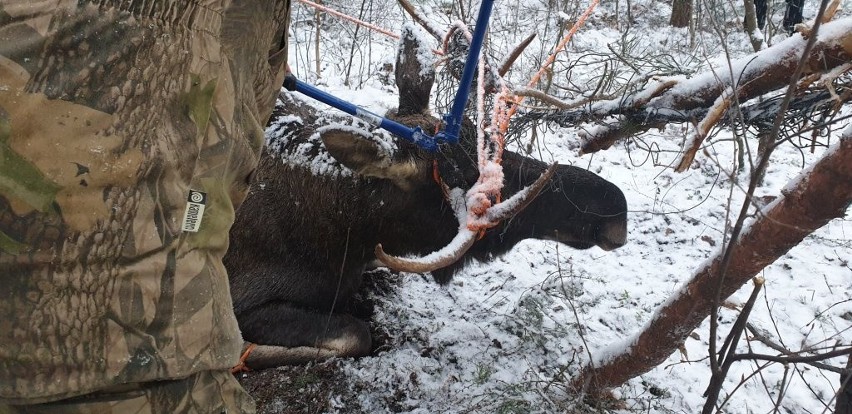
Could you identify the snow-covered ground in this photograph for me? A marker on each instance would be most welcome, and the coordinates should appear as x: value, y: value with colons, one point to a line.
x: 506, y: 336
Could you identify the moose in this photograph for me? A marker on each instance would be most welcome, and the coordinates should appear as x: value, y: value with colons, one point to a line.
x: 323, y: 197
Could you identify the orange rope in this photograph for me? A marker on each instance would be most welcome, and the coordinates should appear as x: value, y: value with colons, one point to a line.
x: 504, y: 109
x: 350, y: 18
x: 347, y: 17
x: 552, y: 57
x: 241, y: 366
x: 487, y: 190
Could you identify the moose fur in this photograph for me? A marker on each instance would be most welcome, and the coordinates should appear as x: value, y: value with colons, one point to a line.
x: 315, y: 212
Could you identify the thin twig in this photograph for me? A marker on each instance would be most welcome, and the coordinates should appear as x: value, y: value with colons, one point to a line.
x: 729, y: 349
x: 762, y: 338
x: 781, y: 389
x: 794, y: 359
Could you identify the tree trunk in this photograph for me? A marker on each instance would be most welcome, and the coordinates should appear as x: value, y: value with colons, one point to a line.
x: 825, y: 193
x: 844, y: 394
x: 750, y: 25
x: 681, y: 13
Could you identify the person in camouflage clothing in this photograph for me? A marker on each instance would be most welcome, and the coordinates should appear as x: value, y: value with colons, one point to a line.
x: 128, y: 133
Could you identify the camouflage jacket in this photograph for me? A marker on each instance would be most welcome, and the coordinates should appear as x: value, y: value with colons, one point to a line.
x: 113, y: 114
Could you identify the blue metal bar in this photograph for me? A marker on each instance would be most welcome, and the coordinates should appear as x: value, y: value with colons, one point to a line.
x: 415, y: 135
x: 453, y: 120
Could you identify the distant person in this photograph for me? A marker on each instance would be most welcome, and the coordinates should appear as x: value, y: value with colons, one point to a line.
x: 129, y: 130
x: 760, y: 13
x: 793, y: 15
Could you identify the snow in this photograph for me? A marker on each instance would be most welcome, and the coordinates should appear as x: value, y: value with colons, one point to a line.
x: 284, y: 139
x: 509, y: 334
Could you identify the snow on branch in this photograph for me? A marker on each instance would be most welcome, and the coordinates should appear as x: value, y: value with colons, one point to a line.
x: 723, y: 102
x: 678, y: 99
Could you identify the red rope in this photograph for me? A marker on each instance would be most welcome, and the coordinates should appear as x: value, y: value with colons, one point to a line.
x: 241, y: 366
x: 488, y: 186
x: 347, y: 17
x: 350, y: 18
x: 486, y: 191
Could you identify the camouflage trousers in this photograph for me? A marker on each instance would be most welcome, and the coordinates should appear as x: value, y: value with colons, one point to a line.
x: 128, y: 131
x: 204, y: 392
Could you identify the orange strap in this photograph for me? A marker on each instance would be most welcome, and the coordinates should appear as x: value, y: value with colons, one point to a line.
x: 241, y: 366
x: 359, y: 22
x: 550, y: 59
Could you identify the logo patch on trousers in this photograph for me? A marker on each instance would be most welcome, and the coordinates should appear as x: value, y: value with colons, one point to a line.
x: 194, y: 211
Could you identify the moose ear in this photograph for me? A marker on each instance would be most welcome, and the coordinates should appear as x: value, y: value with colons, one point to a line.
x: 415, y: 72
x: 363, y: 155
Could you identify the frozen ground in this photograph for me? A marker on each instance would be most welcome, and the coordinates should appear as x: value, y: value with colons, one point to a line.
x: 507, y: 335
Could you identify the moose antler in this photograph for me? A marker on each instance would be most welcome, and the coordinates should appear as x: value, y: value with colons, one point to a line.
x: 465, y: 238
x: 441, y: 258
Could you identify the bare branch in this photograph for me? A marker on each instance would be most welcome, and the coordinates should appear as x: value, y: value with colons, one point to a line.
x: 763, y: 338
x: 409, y: 8
x: 703, y: 129
x: 548, y: 99
x: 516, y: 53
x: 831, y: 11
x: 792, y: 359
x: 728, y: 351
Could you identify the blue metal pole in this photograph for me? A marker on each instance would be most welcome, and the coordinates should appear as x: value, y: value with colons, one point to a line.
x: 415, y: 135
x: 452, y: 120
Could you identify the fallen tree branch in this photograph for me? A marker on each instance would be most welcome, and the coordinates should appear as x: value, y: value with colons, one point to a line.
x: 684, y: 99
x: 818, y: 196
x: 703, y: 129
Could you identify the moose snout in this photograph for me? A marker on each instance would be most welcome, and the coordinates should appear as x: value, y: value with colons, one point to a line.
x: 613, y: 234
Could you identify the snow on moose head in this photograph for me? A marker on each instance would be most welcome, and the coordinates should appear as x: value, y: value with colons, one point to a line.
x: 327, y: 192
